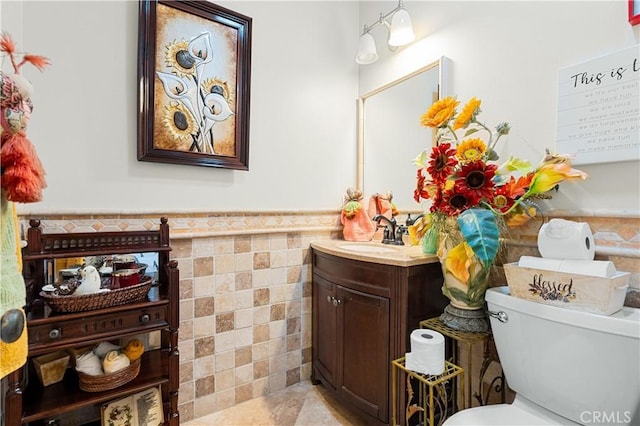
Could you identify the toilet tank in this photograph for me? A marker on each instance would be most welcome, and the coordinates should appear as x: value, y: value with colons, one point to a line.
x: 580, y: 365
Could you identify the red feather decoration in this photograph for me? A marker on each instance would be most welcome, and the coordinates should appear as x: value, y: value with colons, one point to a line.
x: 22, y: 171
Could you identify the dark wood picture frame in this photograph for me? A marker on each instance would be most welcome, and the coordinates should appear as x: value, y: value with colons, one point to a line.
x: 634, y: 12
x: 194, y: 75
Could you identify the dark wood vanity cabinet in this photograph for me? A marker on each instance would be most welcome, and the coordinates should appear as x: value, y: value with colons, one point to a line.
x: 26, y: 401
x: 363, y: 315
x: 341, y: 315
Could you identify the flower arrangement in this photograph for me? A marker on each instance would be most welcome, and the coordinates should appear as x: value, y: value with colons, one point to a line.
x: 472, y: 197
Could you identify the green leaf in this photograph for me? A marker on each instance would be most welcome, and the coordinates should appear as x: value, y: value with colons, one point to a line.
x: 455, y: 293
x: 492, y: 155
x: 480, y: 231
x: 470, y: 132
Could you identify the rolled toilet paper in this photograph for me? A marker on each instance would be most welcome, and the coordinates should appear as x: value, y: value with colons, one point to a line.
x: 89, y: 363
x: 539, y: 263
x: 427, y: 352
x: 565, y: 239
x: 114, y: 361
x: 595, y: 268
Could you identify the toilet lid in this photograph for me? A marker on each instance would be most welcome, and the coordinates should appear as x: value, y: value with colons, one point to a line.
x: 504, y: 414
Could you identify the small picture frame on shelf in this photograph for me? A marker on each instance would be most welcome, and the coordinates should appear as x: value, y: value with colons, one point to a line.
x: 140, y: 409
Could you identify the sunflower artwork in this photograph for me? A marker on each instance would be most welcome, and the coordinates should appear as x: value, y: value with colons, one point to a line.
x: 196, y: 102
x: 194, y: 92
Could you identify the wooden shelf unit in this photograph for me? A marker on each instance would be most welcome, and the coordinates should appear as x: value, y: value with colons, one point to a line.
x: 26, y: 401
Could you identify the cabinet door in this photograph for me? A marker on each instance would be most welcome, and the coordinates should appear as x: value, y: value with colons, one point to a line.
x: 364, y: 333
x: 325, y: 331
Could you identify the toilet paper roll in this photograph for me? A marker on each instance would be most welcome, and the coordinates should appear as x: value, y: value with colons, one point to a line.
x: 595, y: 268
x: 565, y: 239
x: 427, y: 352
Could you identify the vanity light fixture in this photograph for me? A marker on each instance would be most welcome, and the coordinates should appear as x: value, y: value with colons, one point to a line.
x: 400, y: 33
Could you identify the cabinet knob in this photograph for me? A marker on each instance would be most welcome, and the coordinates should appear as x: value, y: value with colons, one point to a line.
x: 333, y: 300
x: 55, y: 333
x: 145, y: 318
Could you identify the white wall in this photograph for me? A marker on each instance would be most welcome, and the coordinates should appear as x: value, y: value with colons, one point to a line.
x: 302, y: 121
x: 508, y: 54
x: 304, y: 86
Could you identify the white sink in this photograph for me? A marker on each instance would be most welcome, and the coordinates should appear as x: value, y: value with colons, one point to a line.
x: 367, y: 248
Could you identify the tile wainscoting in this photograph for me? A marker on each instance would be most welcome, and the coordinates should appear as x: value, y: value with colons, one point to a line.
x: 245, y: 291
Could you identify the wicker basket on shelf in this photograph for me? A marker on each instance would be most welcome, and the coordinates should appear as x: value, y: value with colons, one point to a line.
x: 109, y: 381
x: 88, y: 302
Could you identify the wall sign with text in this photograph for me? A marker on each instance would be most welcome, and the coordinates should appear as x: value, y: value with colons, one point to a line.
x: 599, y: 108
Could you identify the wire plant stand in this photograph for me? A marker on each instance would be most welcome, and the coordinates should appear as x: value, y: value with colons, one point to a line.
x: 480, y: 392
x: 434, y: 398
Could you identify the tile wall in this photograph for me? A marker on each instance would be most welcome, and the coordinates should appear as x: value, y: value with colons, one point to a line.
x: 245, y: 292
x: 245, y: 317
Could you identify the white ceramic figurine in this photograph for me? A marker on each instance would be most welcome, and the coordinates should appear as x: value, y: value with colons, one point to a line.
x: 90, y: 282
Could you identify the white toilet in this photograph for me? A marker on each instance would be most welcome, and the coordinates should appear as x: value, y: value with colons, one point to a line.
x: 566, y: 367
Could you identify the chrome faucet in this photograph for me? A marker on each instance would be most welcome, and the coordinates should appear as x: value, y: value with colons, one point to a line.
x: 392, y: 232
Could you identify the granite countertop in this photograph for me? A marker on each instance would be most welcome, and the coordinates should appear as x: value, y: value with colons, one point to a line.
x: 375, y: 252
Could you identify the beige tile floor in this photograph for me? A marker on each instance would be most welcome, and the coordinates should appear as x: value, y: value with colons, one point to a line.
x: 302, y: 404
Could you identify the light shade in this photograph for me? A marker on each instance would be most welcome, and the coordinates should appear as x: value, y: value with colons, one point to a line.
x: 367, y: 53
x: 401, y: 31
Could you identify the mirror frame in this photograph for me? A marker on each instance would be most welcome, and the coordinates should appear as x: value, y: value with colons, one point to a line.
x: 443, y: 90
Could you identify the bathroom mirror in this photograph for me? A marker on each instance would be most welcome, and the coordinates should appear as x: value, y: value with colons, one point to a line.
x: 390, y: 135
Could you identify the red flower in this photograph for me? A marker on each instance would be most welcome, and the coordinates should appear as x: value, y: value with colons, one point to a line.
x: 507, y: 194
x: 453, y: 202
x: 437, y: 200
x: 443, y: 161
x: 475, y: 180
x: 502, y: 201
x: 418, y: 192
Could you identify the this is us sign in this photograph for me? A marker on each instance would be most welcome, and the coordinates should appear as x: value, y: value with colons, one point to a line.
x: 599, y: 108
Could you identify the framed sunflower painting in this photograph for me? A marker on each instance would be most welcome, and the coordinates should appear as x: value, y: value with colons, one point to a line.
x: 194, y: 66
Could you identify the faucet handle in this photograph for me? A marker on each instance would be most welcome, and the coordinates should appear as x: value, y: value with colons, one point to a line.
x: 386, y: 236
x: 412, y: 220
x: 400, y: 230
